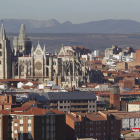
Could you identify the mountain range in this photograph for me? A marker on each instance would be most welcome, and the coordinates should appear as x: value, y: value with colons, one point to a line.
x: 53, y: 26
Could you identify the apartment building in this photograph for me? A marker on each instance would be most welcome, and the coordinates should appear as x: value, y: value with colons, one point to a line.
x: 32, y: 124
x: 71, y: 101
x: 138, y: 55
x: 128, y: 120
x: 92, y: 125
x: 134, y: 106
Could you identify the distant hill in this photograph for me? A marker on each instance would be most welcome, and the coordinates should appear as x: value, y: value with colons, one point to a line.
x: 53, y: 26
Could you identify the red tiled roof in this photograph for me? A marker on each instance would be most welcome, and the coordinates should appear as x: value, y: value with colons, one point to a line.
x: 24, y: 107
x: 12, y: 80
x: 5, y: 112
x: 137, y: 102
x: 37, y: 111
x: 126, y: 131
x: 91, y: 116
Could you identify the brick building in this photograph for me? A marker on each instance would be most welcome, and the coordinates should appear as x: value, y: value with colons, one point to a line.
x: 127, y: 84
x: 138, y: 55
x: 8, y: 102
x: 115, y: 97
x: 32, y: 124
x: 94, y: 125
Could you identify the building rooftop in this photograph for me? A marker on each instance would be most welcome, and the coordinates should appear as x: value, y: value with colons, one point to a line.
x: 31, y: 111
x: 90, y: 117
x: 70, y: 95
x: 136, y: 103
x: 24, y: 107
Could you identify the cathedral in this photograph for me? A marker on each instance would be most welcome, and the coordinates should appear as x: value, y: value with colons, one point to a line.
x: 23, y: 61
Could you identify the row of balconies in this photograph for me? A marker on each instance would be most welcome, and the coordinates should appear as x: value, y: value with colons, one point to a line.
x: 55, y: 104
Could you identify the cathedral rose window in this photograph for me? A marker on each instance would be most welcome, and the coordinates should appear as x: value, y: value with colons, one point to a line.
x: 38, y: 65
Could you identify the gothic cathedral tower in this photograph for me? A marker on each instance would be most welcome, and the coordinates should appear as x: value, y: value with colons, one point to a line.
x: 22, y: 44
x: 5, y: 55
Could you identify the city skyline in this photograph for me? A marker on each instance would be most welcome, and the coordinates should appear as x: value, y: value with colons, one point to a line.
x: 78, y: 11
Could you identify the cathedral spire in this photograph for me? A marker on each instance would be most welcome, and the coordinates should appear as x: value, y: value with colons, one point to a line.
x: 32, y: 48
x: 56, y: 52
x: 44, y: 49
x: 2, y: 34
x: 22, y: 34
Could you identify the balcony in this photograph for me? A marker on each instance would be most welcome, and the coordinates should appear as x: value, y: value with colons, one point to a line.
x: 53, y: 104
x: 79, y: 103
x: 79, y: 109
x: 100, y: 108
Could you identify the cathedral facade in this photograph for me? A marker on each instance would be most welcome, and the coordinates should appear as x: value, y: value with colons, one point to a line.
x: 65, y: 68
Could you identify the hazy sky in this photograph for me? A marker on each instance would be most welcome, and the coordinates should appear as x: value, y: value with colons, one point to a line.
x: 76, y: 11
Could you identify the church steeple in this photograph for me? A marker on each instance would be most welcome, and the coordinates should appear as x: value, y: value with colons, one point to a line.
x: 2, y: 33
x: 23, y: 34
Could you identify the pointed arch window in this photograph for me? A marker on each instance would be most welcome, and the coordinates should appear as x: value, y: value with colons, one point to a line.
x: 0, y: 53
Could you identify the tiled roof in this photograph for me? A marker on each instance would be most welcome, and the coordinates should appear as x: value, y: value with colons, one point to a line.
x: 136, y: 103
x: 125, y: 131
x: 91, y: 116
x: 24, y: 107
x: 12, y: 80
x: 69, y: 95
x: 73, y: 117
x: 5, y: 112
x: 37, y: 111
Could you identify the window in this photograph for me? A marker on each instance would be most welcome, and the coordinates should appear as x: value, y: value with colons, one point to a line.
x: 16, y: 131
x: 16, y: 124
x: 64, y: 106
x: 0, y: 46
x: 29, y: 125
x: 0, y: 53
x: 29, y: 118
x: 61, y: 101
x: 21, y: 117
x: 0, y: 61
x: 61, y: 106
x: 21, y: 124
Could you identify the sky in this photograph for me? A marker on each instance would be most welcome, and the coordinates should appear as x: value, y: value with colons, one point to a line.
x: 76, y: 11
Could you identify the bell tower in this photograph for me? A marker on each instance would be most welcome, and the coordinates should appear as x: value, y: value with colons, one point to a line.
x: 115, y: 97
